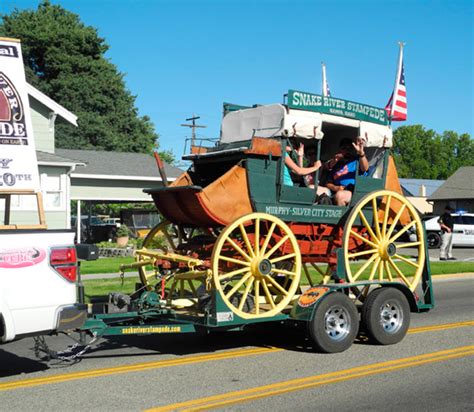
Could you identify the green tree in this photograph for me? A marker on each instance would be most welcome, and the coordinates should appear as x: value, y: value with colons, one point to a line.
x: 65, y: 59
x: 424, y: 154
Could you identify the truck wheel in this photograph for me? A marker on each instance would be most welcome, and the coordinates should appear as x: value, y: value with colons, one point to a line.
x: 386, y: 316
x: 433, y: 239
x: 335, y: 323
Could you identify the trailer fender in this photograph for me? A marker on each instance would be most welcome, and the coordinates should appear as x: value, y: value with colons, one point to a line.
x: 304, y: 307
x: 411, y: 297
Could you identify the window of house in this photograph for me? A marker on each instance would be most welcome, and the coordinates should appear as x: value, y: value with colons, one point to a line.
x: 53, y: 191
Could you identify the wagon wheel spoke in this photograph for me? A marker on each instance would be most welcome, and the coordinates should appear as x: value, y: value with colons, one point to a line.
x: 277, y: 285
x: 381, y: 268
x: 410, y: 244
x: 257, y: 237
x: 246, y: 240
x: 239, y: 249
x: 230, y: 275
x: 277, y: 246
x: 404, y: 259
x: 364, y: 266
x: 355, y: 234
x: 386, y: 215
x: 238, y: 285
x: 401, y: 232
x: 257, y: 296
x: 246, y: 293
x: 375, y: 266
x: 395, y: 221
x: 389, y: 272
x: 284, y: 257
x: 364, y: 252
x: 236, y: 261
x: 268, y: 296
x: 367, y: 226
x: 284, y: 272
x: 376, y: 218
x: 267, y: 238
x: 399, y: 272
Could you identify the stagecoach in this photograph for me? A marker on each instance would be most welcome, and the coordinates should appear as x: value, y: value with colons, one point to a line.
x: 237, y: 246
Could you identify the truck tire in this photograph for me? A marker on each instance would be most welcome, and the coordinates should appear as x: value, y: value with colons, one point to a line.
x: 335, y: 323
x: 386, y: 316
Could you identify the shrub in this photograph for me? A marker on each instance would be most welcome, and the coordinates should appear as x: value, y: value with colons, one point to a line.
x: 123, y: 231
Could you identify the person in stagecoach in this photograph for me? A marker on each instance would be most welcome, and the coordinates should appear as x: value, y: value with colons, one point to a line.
x: 343, y: 167
x: 292, y: 167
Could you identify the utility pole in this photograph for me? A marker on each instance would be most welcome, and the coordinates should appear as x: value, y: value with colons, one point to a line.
x: 193, y: 126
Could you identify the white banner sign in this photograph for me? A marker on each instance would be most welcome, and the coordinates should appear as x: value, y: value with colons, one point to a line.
x: 18, y: 164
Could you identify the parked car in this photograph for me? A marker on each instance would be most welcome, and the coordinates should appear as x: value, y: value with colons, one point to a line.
x: 113, y: 221
x: 463, y: 232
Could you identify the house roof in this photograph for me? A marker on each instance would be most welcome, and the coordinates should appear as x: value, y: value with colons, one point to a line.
x: 50, y: 159
x: 413, y: 185
x: 459, y: 186
x: 51, y: 104
x: 117, y: 165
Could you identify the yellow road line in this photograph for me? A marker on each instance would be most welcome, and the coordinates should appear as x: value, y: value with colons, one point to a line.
x: 422, y: 329
x: 138, y: 367
x: 316, y: 380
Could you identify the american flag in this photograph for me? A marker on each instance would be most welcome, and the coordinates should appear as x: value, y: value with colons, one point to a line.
x: 397, y: 106
x: 326, y: 91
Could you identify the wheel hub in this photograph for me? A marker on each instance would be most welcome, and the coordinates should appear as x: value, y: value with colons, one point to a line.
x: 391, y: 317
x: 261, y: 267
x: 387, y: 250
x: 337, y: 323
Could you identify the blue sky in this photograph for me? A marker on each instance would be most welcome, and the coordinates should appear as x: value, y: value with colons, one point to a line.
x: 184, y: 57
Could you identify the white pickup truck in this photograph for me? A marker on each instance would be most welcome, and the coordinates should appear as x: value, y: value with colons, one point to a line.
x: 38, y: 274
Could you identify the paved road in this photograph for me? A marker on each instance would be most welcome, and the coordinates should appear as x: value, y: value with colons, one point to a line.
x: 271, y: 368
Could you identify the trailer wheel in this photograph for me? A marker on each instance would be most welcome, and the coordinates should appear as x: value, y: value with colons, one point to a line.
x: 335, y: 323
x: 386, y: 316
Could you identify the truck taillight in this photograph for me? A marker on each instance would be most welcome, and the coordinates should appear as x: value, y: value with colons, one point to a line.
x: 63, y: 261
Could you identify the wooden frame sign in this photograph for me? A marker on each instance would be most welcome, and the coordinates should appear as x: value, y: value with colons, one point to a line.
x: 18, y: 163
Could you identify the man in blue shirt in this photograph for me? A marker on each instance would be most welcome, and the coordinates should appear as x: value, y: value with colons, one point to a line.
x: 343, y: 169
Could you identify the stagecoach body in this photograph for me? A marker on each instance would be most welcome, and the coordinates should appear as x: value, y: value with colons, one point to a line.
x: 237, y: 246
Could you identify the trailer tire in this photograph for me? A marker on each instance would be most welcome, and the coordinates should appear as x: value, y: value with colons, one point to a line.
x: 386, y: 316
x: 335, y: 323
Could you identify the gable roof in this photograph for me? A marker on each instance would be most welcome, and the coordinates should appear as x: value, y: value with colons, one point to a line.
x: 51, y: 104
x: 50, y: 159
x: 459, y: 186
x: 117, y: 165
x: 413, y: 185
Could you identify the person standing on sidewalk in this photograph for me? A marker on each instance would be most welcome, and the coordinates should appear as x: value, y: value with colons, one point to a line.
x: 446, y: 221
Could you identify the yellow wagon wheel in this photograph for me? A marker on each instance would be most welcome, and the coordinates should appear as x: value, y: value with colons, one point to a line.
x: 256, y: 265
x: 376, y: 224
x: 164, y: 237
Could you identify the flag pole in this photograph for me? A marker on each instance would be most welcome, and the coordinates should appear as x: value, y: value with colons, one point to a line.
x: 323, y: 86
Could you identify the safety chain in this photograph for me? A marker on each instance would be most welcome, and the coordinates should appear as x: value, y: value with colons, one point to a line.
x: 42, y: 347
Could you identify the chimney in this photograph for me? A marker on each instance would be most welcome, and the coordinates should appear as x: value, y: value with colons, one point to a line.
x: 423, y: 191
